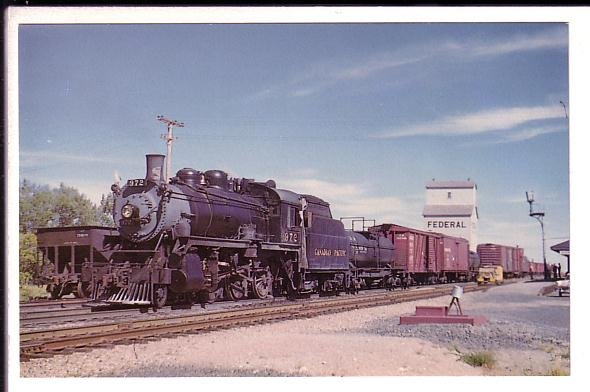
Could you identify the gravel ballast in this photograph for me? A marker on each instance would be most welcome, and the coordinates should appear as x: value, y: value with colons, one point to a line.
x: 526, y: 334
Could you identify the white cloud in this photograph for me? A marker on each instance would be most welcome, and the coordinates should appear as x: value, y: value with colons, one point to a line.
x: 42, y: 158
x: 322, y: 76
x: 327, y: 76
x: 477, y: 123
x: 531, y: 133
x: 549, y: 39
x: 359, y: 200
x: 517, y: 136
x: 377, y: 64
x: 321, y: 188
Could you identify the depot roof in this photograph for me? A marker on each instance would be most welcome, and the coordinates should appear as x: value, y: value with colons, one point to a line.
x: 562, y: 247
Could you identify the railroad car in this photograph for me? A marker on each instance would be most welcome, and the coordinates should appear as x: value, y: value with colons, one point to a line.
x: 509, y: 257
x: 474, y: 264
x: 371, y: 257
x: 68, y: 254
x: 426, y: 257
x: 201, y: 234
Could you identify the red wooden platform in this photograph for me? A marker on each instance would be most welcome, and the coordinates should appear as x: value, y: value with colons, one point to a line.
x: 440, y: 315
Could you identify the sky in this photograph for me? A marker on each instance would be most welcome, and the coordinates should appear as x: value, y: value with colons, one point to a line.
x: 359, y: 114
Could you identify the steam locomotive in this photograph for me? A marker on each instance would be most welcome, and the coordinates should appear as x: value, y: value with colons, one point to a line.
x: 202, y: 235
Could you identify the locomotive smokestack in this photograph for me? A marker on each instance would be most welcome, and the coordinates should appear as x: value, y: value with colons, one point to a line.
x: 154, y: 165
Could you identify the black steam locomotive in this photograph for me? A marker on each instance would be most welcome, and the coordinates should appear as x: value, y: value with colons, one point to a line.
x: 202, y: 235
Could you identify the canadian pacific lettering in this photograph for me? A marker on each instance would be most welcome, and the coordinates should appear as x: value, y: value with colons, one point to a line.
x: 330, y: 252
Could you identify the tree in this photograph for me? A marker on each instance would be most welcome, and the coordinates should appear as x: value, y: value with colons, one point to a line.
x: 73, y: 209
x: 28, y: 266
x: 41, y: 206
x: 35, y: 206
x: 106, y: 210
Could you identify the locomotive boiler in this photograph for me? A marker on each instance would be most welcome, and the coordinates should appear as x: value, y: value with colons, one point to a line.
x: 201, y: 235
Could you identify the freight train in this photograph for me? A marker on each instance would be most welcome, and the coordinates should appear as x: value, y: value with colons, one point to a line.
x: 202, y: 235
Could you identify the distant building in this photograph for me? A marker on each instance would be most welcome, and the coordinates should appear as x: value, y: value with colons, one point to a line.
x: 451, y: 208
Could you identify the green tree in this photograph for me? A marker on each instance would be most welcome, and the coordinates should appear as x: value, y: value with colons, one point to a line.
x: 28, y: 266
x: 105, y: 208
x: 72, y: 209
x: 41, y: 206
x: 35, y: 206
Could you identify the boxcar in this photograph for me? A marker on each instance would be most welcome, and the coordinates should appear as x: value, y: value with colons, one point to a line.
x: 64, y: 251
x: 426, y: 256
x: 509, y: 257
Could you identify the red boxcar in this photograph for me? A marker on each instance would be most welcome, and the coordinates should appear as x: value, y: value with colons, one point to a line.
x: 509, y: 257
x: 428, y: 257
x: 518, y: 259
x: 539, y: 268
x: 455, y: 254
x: 414, y: 251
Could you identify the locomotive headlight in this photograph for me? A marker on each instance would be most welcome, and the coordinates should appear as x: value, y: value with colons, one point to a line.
x: 127, y: 211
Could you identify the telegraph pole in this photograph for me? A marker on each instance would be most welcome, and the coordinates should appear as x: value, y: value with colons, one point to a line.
x: 169, y: 138
x: 530, y: 198
x: 564, y: 109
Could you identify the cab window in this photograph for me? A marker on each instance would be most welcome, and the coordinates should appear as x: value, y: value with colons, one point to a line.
x: 293, y: 218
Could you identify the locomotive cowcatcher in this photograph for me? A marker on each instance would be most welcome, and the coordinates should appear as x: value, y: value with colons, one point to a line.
x: 202, y: 235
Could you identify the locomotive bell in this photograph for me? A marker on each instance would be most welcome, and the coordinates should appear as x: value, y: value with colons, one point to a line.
x: 154, y: 167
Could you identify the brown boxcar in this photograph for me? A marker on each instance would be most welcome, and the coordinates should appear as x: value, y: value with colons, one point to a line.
x: 426, y: 256
x: 518, y: 259
x: 539, y: 268
x: 509, y: 257
x: 455, y: 254
x: 63, y: 251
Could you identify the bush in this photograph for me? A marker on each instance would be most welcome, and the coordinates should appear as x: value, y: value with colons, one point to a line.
x: 29, y: 292
x: 480, y: 359
x: 557, y: 372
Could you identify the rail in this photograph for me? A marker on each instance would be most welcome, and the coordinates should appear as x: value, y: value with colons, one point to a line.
x: 46, y: 342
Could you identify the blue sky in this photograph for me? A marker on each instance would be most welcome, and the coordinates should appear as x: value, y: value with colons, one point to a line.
x: 362, y: 115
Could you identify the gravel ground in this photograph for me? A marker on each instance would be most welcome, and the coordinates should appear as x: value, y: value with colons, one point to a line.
x: 526, y: 334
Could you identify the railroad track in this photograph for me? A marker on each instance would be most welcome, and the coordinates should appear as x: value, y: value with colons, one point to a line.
x: 35, y: 315
x: 49, y: 342
x: 51, y: 303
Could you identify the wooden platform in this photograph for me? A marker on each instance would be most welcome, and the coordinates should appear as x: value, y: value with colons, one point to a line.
x: 440, y: 315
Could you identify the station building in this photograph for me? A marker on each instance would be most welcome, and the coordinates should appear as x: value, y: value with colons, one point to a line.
x: 451, y: 208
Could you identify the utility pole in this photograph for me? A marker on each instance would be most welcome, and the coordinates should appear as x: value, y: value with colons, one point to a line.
x: 169, y: 138
x: 530, y: 198
x: 564, y: 109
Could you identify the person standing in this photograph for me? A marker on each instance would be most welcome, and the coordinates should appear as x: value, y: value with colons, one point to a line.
x: 531, y: 270
x: 558, y: 270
